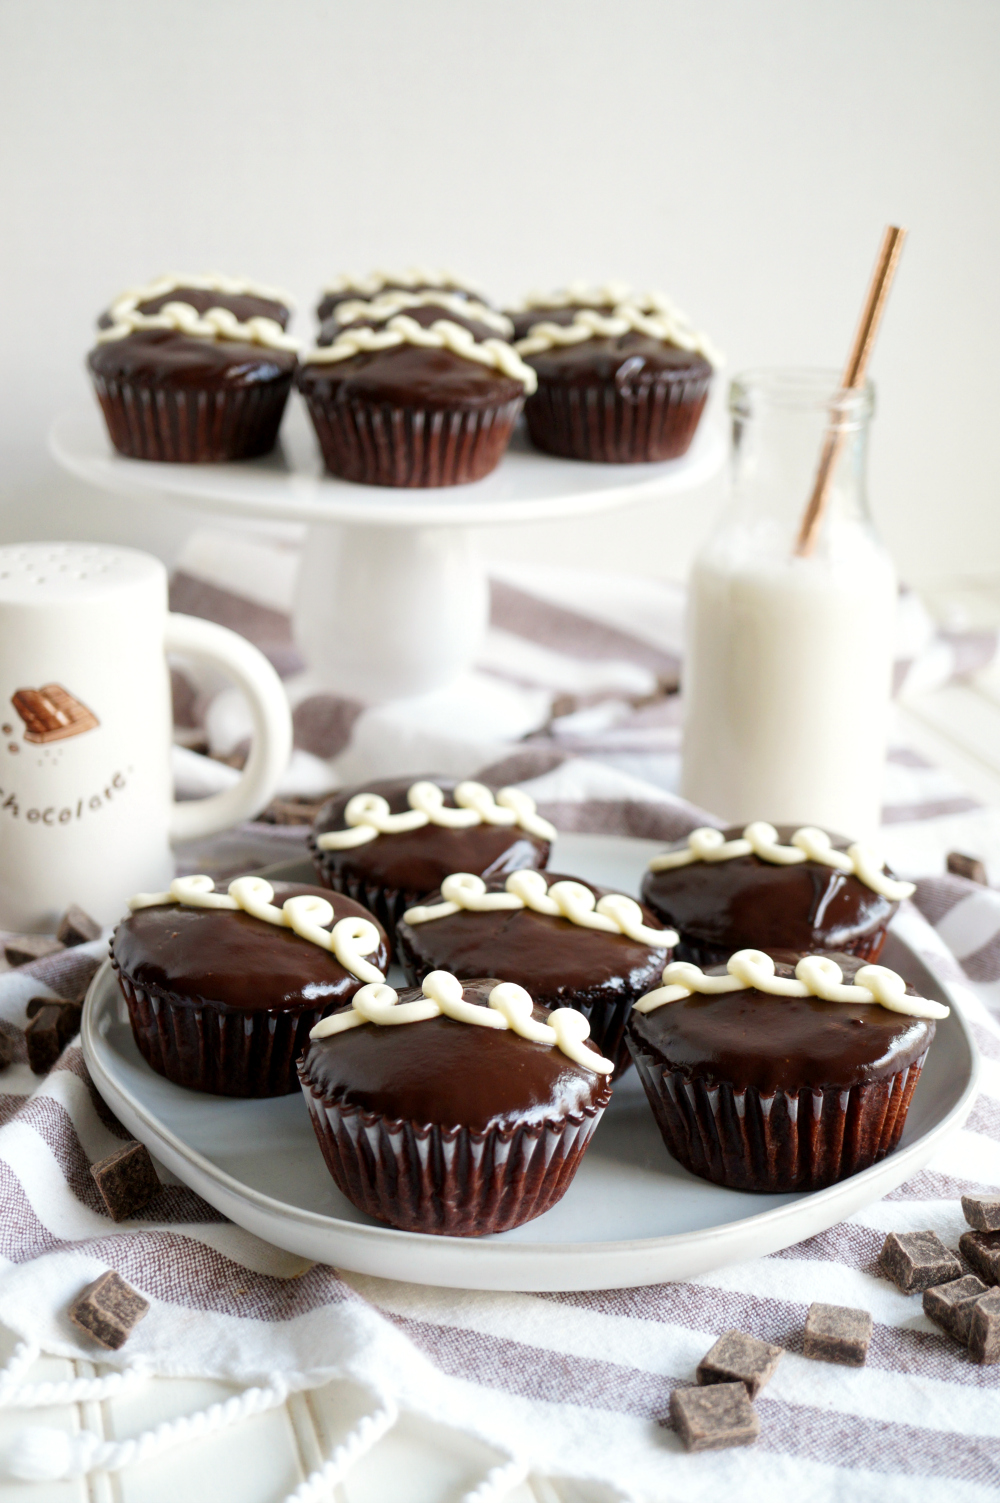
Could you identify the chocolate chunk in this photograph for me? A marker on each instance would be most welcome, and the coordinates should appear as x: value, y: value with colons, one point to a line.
x: 36, y: 1004
x: 6, y: 1050
x: 916, y: 1260
x: 982, y: 1212
x: 48, y: 1033
x: 108, y: 1310
x: 836, y: 1333
x: 738, y: 1358
x: 967, y: 866
x: 984, y: 1328
x: 77, y: 927
x: 21, y: 948
x: 127, y: 1180
x: 950, y: 1305
x: 982, y: 1251
x: 710, y: 1419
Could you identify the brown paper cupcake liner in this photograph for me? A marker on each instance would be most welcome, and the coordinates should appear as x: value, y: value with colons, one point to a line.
x: 605, y: 424
x: 800, y: 1140
x: 449, y: 1181
x: 193, y: 427
x: 378, y: 444
x: 206, y: 1047
x: 867, y: 947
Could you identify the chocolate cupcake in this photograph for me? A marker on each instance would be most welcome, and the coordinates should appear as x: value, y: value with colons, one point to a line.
x: 783, y: 1072
x: 470, y: 1116
x: 222, y: 987
x: 620, y: 388
x: 412, y: 279
x: 559, y: 307
x: 391, y: 844
x: 425, y: 397
x: 567, y: 942
x: 194, y: 370
x: 784, y: 888
x: 482, y: 321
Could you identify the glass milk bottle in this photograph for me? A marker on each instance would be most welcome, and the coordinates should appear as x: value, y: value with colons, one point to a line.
x: 789, y: 658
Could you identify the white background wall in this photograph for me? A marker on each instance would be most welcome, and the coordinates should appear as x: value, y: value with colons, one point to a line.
x: 741, y: 154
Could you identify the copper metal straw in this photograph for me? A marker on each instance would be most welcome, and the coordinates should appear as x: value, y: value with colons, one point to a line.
x: 853, y: 377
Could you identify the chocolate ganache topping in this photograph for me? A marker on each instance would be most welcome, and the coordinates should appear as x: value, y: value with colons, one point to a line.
x: 445, y: 1072
x: 627, y: 360
x: 243, y: 306
x: 754, y: 1039
x: 167, y: 357
x: 746, y: 902
x: 230, y: 959
x: 416, y: 862
x: 560, y: 963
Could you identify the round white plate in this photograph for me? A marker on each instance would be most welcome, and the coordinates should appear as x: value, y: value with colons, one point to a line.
x: 632, y: 1215
x: 292, y: 485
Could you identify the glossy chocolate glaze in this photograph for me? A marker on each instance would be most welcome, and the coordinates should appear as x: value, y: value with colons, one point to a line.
x: 164, y: 357
x: 751, y: 1039
x: 558, y: 962
x: 416, y: 862
x: 633, y: 360
x: 424, y: 315
x: 525, y: 321
x: 449, y: 1073
x: 410, y: 376
x: 243, y: 305
x: 235, y: 962
x: 746, y: 903
x: 331, y: 300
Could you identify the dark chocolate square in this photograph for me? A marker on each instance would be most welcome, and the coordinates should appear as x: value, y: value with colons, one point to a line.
x: 77, y: 927
x: 127, y: 1180
x: 984, y: 1327
x: 837, y: 1333
x: 982, y: 1251
x: 108, y: 1310
x: 710, y: 1419
x: 22, y: 948
x: 971, y: 867
x: 739, y: 1358
x: 982, y: 1212
x: 917, y: 1260
x: 950, y: 1305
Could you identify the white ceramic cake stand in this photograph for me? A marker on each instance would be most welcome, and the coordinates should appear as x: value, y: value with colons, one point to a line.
x: 392, y: 599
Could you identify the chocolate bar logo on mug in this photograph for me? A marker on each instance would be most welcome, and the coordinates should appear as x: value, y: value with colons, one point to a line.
x: 86, y: 804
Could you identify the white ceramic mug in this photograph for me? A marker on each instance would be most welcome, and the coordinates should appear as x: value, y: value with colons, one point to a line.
x: 86, y: 801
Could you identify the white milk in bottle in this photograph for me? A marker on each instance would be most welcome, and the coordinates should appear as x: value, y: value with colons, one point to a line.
x: 789, y: 659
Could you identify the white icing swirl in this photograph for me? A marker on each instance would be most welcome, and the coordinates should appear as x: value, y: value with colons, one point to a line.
x: 808, y: 844
x: 350, y: 939
x: 387, y: 304
x: 613, y: 914
x: 584, y: 293
x: 664, y: 323
x: 412, y: 277
x: 214, y: 323
x: 134, y: 297
x: 367, y: 814
x: 816, y: 976
x: 442, y: 335
x: 509, y: 1006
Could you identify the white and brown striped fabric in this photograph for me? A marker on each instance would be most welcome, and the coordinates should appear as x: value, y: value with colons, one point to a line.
x: 570, y: 1385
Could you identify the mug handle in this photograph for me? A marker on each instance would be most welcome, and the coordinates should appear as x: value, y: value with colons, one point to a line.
x: 271, y: 745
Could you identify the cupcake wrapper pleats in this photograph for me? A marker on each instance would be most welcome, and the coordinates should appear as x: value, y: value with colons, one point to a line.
x: 786, y: 1141
x: 193, y: 427
x: 449, y: 1181
x: 373, y: 443
x: 207, y: 1048
x: 605, y: 423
